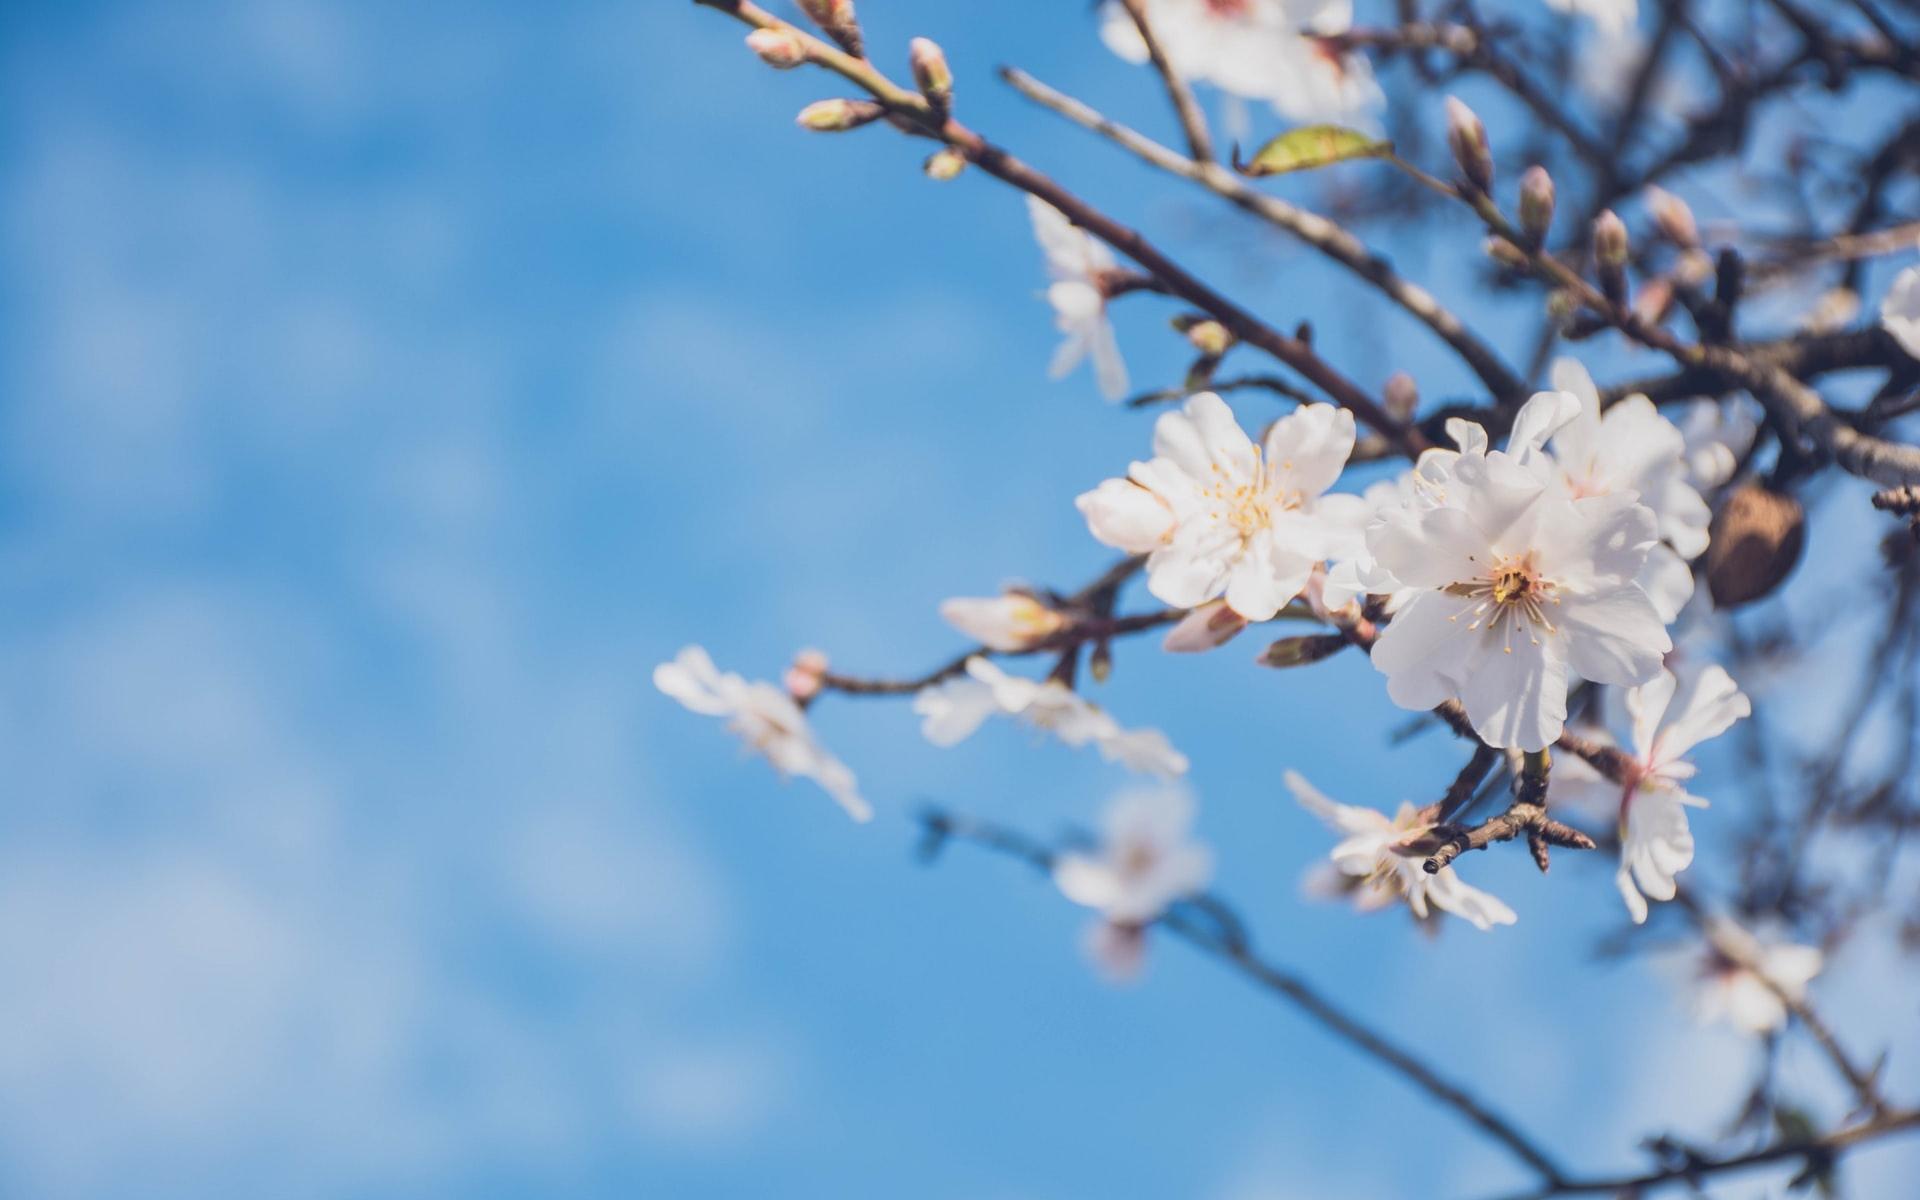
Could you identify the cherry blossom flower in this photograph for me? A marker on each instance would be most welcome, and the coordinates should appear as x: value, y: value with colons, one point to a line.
x: 1729, y: 983
x: 1716, y: 433
x: 1667, y: 717
x: 1632, y: 448
x: 1257, y: 50
x: 1079, y: 264
x: 952, y: 710
x: 1515, y: 585
x: 766, y: 717
x: 1900, y: 310
x: 1221, y: 516
x: 1377, y: 852
x: 1011, y: 621
x: 1146, y: 861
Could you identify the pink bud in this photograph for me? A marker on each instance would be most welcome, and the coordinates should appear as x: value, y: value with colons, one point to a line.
x: 777, y: 48
x: 1467, y: 138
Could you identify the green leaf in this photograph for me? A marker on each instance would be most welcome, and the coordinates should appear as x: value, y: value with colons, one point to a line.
x: 1310, y: 147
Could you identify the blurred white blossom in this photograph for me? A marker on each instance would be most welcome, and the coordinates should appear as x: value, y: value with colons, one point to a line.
x: 1727, y: 984
x: 953, y: 709
x: 1078, y: 263
x: 1611, y: 17
x: 1146, y: 860
x: 765, y: 717
x: 1900, y: 310
x: 1257, y: 50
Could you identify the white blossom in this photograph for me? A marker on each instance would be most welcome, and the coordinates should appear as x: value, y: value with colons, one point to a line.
x: 952, y: 710
x: 1257, y: 50
x: 766, y: 717
x: 1219, y: 516
x: 1730, y: 981
x: 1146, y: 859
x: 1078, y: 263
x: 1667, y: 718
x: 1011, y: 621
x: 1515, y: 584
x: 1611, y: 17
x: 1632, y: 448
x: 1376, y: 851
x: 1900, y: 310
x: 1716, y: 434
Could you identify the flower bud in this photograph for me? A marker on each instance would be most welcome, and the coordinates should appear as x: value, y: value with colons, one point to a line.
x: 1210, y: 625
x: 777, y: 48
x: 1654, y: 301
x: 1210, y: 338
x: 1299, y: 651
x: 1505, y: 252
x: 1674, y: 218
x: 838, y: 116
x: 1009, y: 622
x: 930, y: 71
x: 945, y: 163
x: 1402, y: 395
x: 1467, y: 138
x: 836, y: 18
x: 1610, y: 254
x: 1610, y: 239
x: 805, y: 677
x: 1536, y: 203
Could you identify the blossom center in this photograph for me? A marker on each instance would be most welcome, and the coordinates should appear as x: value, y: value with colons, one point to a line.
x: 1245, y: 504
x: 1512, y: 594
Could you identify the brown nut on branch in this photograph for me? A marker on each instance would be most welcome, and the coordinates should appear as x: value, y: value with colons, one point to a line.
x: 1757, y: 539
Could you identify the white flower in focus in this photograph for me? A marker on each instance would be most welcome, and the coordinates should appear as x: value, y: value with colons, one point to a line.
x: 1257, y: 50
x: 1728, y: 983
x: 1145, y: 862
x: 952, y: 710
x: 1632, y: 448
x: 1220, y: 516
x: 1375, y: 851
x: 1515, y: 585
x: 1900, y: 311
x: 1008, y: 622
x: 1077, y: 263
x: 1668, y: 717
x: 1611, y: 17
x: 766, y: 717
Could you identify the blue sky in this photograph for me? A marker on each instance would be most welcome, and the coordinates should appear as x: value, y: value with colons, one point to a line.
x: 385, y: 389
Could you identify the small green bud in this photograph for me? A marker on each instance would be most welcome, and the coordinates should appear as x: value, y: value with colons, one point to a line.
x: 930, y: 71
x: 1299, y: 651
x: 838, y: 116
x: 944, y: 164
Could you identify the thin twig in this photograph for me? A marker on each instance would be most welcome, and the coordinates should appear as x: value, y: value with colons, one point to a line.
x: 1315, y: 230
x: 1236, y: 950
